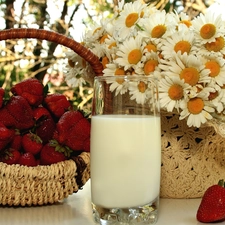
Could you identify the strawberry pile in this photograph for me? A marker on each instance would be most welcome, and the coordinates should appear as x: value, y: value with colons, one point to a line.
x: 38, y: 128
x: 212, y: 206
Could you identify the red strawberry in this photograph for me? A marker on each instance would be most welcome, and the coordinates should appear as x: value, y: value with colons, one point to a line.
x: 212, y: 206
x: 78, y: 135
x: 31, y: 143
x: 51, y: 153
x: 10, y: 156
x: 57, y: 104
x: 16, y: 142
x: 6, y: 118
x: 2, y: 93
x: 65, y: 123
x: 6, y: 136
x: 40, y: 112
x: 86, y: 145
x: 31, y: 89
x: 45, y: 125
x: 21, y: 111
x: 73, y: 130
x: 27, y: 159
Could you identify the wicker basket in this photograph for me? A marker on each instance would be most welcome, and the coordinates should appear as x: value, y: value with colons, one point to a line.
x: 192, y: 159
x: 22, y: 185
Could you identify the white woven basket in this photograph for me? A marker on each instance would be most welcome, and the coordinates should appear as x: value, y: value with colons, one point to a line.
x: 192, y: 159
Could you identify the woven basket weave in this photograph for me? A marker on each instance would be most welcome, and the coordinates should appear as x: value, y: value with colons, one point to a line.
x: 192, y: 159
x: 22, y: 185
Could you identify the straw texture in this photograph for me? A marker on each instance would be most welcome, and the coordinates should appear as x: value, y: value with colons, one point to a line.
x: 22, y: 185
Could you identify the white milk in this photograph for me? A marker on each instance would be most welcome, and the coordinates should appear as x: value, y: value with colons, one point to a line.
x: 125, y: 160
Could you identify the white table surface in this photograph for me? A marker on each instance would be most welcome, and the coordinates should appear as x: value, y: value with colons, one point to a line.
x: 76, y: 210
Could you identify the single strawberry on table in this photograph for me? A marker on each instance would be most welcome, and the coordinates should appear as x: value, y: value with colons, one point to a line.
x: 31, y: 89
x: 212, y: 206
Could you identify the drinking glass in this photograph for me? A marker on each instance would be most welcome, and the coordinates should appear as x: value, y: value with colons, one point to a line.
x: 125, y: 150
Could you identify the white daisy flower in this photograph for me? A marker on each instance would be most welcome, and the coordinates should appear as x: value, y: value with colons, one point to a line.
x: 148, y: 64
x: 183, y: 41
x: 93, y: 34
x: 172, y: 92
x: 118, y: 85
x: 74, y: 78
x: 74, y: 70
x: 216, y: 67
x: 208, y: 26
x: 128, y: 18
x: 186, y: 67
x: 183, y: 20
x: 130, y: 52
x: 196, y: 111
x: 139, y: 91
x: 158, y: 25
x: 212, y: 49
x: 216, y: 99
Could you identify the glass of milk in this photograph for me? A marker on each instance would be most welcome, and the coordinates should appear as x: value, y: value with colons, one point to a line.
x: 125, y: 150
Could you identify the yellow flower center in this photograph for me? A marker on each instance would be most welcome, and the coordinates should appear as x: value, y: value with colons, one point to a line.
x: 102, y: 39
x: 151, y: 47
x: 190, y: 76
x: 215, y: 46
x: 158, y: 31
x: 207, y: 31
x: 131, y: 19
x: 195, y: 105
x: 186, y: 22
x: 118, y: 72
x: 150, y: 66
x: 175, y: 92
x: 134, y: 56
x: 71, y: 63
x: 183, y: 46
x: 142, y: 87
x: 105, y: 61
x: 214, y: 68
x: 213, y: 95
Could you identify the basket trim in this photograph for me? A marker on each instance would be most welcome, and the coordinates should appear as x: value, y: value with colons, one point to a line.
x: 41, y: 34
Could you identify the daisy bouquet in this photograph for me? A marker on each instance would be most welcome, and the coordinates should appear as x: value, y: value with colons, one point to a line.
x: 185, y: 55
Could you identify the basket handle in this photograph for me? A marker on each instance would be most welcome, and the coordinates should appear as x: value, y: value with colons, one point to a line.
x: 41, y: 34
